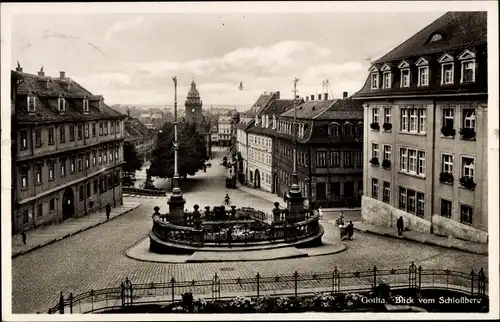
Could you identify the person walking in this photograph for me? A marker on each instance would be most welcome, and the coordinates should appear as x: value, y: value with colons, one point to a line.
x: 350, y: 230
x: 23, y: 234
x: 227, y: 199
x: 108, y: 211
x: 400, y: 225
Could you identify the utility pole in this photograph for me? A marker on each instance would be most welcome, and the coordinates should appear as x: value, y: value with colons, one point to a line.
x: 295, y: 181
x: 176, y: 189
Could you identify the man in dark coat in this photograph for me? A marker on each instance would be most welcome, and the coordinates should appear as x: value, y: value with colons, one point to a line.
x: 350, y: 230
x: 108, y: 211
x: 23, y: 234
x: 400, y: 225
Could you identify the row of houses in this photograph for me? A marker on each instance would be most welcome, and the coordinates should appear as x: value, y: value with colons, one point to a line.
x: 412, y: 142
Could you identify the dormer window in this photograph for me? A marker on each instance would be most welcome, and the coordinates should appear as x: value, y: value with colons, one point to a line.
x: 85, y: 105
x: 468, y: 67
x: 387, y: 80
x: 61, y: 104
x: 101, y: 105
x: 274, y: 122
x: 374, y: 81
x: 405, y: 74
x: 31, y: 103
x: 447, y: 66
x: 423, y: 72
x: 436, y: 37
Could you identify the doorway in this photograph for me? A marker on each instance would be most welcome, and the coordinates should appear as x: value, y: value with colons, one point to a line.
x: 257, y: 179
x: 68, y: 204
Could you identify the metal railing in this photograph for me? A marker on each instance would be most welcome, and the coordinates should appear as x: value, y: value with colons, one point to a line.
x: 143, y: 192
x: 333, y: 282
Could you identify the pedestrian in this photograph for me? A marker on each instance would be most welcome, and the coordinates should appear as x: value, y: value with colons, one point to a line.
x: 400, y: 225
x: 340, y: 220
x: 350, y: 230
x: 108, y: 211
x: 23, y: 234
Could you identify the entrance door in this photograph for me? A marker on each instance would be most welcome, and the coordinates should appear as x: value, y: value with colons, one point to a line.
x: 348, y: 189
x: 68, y: 205
x: 257, y: 179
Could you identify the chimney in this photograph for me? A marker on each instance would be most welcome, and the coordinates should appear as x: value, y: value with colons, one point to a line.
x: 345, y: 95
x: 278, y: 95
x: 19, y: 68
x: 319, y: 97
x: 326, y: 96
x: 41, y: 73
x: 307, y: 98
x: 312, y: 97
x: 62, y: 75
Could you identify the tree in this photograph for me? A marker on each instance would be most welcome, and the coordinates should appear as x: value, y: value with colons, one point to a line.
x: 132, y: 164
x: 192, y: 151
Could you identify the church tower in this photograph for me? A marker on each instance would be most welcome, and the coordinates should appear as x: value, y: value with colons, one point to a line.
x: 193, y: 105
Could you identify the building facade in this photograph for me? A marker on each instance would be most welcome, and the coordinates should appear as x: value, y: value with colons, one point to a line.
x: 425, y: 103
x: 225, y: 128
x: 67, y: 151
x: 329, y: 151
x: 214, y: 134
x: 140, y: 136
x: 194, y: 114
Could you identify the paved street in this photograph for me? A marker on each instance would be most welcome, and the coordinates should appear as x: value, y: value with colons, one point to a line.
x: 95, y: 258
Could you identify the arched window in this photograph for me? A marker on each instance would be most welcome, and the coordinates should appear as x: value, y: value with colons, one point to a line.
x: 80, y: 192
x: 334, y: 129
x: 359, y: 129
x: 347, y: 131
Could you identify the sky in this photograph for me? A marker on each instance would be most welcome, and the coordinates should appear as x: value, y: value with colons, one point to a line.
x: 131, y: 58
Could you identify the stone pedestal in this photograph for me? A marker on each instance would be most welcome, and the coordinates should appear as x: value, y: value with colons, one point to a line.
x: 176, y: 209
x: 296, y: 210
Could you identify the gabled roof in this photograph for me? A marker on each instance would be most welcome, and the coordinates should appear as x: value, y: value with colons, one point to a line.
x: 309, y: 109
x: 278, y: 107
x: 344, y: 109
x: 458, y: 29
x: 261, y: 103
x: 46, y: 106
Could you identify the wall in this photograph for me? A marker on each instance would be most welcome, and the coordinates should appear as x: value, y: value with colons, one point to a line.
x: 448, y: 227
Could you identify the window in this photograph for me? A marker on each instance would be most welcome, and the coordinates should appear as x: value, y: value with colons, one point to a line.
x: 375, y: 115
x: 333, y: 130
x: 87, y: 161
x: 422, y: 120
x: 448, y: 116
x: 51, y: 170
x: 386, y: 194
x: 423, y: 76
x: 405, y: 78
x: 38, y: 137
x: 94, y: 159
x: 96, y: 184
x: 24, y: 177
x: 321, y: 190
x: 436, y: 37
x: 348, y: 159
x: 80, y: 193
x: 412, y: 158
x: 51, y: 135
x: 52, y: 204
x: 104, y: 156
x: 469, y: 118
x: 80, y: 131
x: 347, y: 132
x: 71, y: 132
x: 100, y: 157
x: 387, y: 80
x: 411, y: 201
x: 374, y: 150
x: 23, y: 137
x: 335, y: 159
x: 117, y: 127
x: 335, y: 189
x: 359, y: 159
x: 387, y: 152
x: 320, y: 158
x: 468, y: 72
x: 116, y: 153
x: 85, y: 105
x: 374, y: 188
x: 466, y: 214
x: 413, y: 120
x: 404, y: 120
x: 110, y: 155
x: 72, y: 165
x: 420, y: 205
x: 112, y: 127
x: 101, y: 128
x: 447, y: 163
x: 61, y: 103
x: 25, y: 217
x: 80, y: 163
x: 63, y: 167
x: 447, y: 74
x: 446, y: 208
x: 387, y: 115
x: 374, y: 80
x: 106, y: 127
x: 31, y: 103
x: 421, y: 162
x: 93, y: 129
x: 88, y: 189
x: 468, y: 167
x: 87, y: 131
x: 38, y: 173
x: 39, y: 210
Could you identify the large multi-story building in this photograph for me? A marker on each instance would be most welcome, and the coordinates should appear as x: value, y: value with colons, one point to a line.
x: 225, y: 127
x: 329, y: 150
x: 194, y: 114
x: 425, y: 105
x: 261, y: 135
x: 67, y: 150
x: 140, y: 136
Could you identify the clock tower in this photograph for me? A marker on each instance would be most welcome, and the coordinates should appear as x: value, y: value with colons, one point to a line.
x: 193, y: 105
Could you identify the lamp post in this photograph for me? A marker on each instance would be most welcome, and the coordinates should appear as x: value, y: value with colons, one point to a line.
x: 176, y: 202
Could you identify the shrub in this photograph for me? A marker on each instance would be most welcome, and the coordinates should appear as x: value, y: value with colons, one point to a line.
x: 387, y: 126
x: 468, y: 183
x: 446, y: 177
x: 448, y: 131
x: 374, y: 161
x: 386, y: 164
x: 467, y: 133
x: 375, y: 126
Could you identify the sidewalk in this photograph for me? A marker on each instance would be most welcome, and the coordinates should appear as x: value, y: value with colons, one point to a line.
x: 261, y: 194
x: 41, y: 237
x: 425, y: 238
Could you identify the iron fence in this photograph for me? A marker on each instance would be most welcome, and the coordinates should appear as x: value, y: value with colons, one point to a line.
x: 216, y: 289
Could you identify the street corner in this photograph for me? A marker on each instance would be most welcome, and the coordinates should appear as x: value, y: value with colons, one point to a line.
x: 140, y: 251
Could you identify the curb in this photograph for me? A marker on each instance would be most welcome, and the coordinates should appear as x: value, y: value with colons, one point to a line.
x: 69, y: 234
x: 426, y: 242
